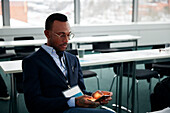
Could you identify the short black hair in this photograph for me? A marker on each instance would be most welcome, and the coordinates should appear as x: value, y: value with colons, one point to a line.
x: 55, y: 16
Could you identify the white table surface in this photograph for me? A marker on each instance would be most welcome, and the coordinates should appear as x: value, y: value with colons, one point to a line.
x: 22, y: 43
x: 117, y: 57
x: 104, y: 39
x: 74, y: 40
x: 99, y: 59
x: 11, y: 66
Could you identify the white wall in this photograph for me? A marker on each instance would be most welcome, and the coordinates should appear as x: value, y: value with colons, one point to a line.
x: 158, y: 33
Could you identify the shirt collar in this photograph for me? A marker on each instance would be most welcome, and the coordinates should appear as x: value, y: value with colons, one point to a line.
x: 49, y: 49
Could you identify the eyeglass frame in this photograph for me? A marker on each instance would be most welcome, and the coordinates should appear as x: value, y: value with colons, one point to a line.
x: 63, y: 35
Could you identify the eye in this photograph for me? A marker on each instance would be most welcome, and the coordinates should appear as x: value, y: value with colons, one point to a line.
x: 68, y: 35
x: 63, y: 35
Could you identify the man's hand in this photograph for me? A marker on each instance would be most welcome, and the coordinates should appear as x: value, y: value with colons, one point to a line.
x: 85, y: 102
x: 99, y: 94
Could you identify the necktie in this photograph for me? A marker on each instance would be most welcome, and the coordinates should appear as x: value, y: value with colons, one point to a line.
x: 63, y: 65
x: 60, y: 54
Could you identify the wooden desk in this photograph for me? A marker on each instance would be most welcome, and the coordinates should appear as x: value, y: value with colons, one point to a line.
x: 95, y: 60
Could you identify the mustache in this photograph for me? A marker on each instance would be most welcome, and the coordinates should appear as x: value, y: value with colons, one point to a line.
x: 64, y: 44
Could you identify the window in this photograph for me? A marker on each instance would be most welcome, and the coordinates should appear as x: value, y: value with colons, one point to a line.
x: 105, y: 11
x: 34, y: 12
x: 1, y: 14
x: 154, y: 11
x: 88, y: 12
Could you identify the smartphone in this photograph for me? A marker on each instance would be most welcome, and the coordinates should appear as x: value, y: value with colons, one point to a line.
x: 102, y: 98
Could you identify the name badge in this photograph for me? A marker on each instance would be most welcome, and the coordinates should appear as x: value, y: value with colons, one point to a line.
x: 73, y: 92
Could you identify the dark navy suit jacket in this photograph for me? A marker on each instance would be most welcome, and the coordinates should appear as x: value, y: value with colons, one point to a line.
x: 44, y: 82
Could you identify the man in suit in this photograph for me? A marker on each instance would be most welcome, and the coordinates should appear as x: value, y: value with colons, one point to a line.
x: 51, y: 70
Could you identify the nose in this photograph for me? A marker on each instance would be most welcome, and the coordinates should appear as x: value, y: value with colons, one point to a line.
x: 66, y: 39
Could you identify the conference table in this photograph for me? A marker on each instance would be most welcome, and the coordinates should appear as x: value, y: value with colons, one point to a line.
x: 94, y: 61
x: 111, y: 39
x: 75, y: 41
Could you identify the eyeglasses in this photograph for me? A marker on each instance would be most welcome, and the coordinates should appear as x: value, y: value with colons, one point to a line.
x: 63, y: 35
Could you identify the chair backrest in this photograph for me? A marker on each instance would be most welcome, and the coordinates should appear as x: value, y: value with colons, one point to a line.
x: 19, y: 82
x: 2, y: 49
x: 21, y: 49
x: 158, y: 46
x: 73, y: 51
x: 149, y: 66
x: 24, y: 48
x: 101, y: 45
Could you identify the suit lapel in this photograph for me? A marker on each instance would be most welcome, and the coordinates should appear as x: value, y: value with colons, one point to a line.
x: 70, y: 68
x: 48, y: 60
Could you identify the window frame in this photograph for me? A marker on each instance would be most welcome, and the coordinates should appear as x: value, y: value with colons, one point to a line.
x: 77, y: 19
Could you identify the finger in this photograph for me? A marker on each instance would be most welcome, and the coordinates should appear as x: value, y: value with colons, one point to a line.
x: 89, y: 97
x: 107, y: 93
x: 111, y: 94
x: 104, y: 102
x: 108, y: 99
x: 97, y: 94
x: 100, y: 92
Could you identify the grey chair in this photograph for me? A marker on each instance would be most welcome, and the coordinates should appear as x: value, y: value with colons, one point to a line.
x: 86, y: 73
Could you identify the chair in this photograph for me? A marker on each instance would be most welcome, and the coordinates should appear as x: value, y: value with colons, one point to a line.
x: 3, y: 54
x: 141, y: 74
x: 162, y: 68
x: 160, y: 98
x: 104, y: 47
x: 19, y: 81
x: 86, y: 73
x: 23, y: 51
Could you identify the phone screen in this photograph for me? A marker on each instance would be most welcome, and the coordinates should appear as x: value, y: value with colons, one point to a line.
x: 102, y: 98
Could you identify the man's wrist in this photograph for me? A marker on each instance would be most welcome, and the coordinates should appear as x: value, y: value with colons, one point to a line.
x: 71, y: 102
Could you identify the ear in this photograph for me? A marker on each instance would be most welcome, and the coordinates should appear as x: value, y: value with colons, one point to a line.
x: 47, y: 33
